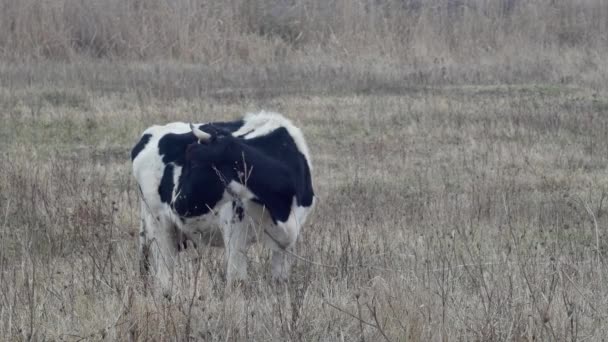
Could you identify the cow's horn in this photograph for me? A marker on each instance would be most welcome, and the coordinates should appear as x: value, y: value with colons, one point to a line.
x: 200, y: 135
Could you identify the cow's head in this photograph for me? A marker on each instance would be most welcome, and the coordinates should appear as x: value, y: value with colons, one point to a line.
x: 210, y: 148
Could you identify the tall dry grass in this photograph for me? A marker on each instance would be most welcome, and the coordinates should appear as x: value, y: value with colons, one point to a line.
x: 522, y: 40
x: 264, y: 31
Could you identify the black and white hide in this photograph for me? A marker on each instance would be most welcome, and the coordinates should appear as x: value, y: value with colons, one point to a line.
x: 222, y: 184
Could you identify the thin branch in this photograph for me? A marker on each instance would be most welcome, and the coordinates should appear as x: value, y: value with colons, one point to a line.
x: 350, y: 314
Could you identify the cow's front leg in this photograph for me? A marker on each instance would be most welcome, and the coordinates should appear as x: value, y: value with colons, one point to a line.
x: 235, y: 233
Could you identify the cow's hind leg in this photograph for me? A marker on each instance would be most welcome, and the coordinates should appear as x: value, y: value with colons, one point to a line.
x: 282, y: 256
x: 236, y: 240
x: 144, y: 254
x: 281, y: 262
x: 281, y: 238
x: 162, y: 247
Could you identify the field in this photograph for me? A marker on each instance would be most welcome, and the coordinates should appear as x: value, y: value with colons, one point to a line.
x: 460, y: 197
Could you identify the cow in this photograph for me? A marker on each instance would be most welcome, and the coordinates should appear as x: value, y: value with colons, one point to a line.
x: 223, y: 184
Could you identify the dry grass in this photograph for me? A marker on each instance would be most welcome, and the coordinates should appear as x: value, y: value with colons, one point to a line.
x: 459, y: 151
x: 451, y: 212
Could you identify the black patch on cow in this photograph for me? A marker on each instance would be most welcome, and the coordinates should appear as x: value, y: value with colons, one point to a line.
x: 173, y: 147
x: 140, y: 145
x: 222, y: 128
x: 165, y: 189
x: 199, y: 190
x: 277, y: 170
x: 238, y: 211
x: 280, y: 147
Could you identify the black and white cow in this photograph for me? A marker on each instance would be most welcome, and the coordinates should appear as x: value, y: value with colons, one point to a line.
x: 222, y: 184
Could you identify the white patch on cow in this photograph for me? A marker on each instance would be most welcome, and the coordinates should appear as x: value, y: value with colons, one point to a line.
x: 236, y: 241
x: 177, y: 172
x: 301, y: 213
x: 148, y: 169
x: 172, y: 127
x: 286, y: 233
x: 241, y: 191
x: 263, y: 123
